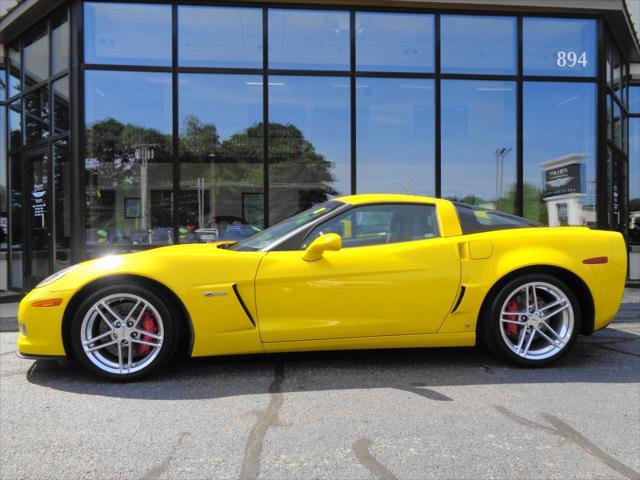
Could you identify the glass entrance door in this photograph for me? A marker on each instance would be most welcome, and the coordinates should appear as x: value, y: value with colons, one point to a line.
x: 617, y: 188
x: 39, y: 213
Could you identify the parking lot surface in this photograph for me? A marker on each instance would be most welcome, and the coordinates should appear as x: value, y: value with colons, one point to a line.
x: 439, y: 413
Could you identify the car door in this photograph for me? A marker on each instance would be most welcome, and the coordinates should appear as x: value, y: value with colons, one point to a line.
x: 393, y: 276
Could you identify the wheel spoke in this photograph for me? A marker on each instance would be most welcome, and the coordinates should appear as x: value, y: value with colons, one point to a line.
x: 132, y: 310
x: 553, y: 342
x: 110, y: 310
x: 557, y: 311
x: 96, y: 338
x: 137, y: 322
x: 145, y: 342
x: 130, y: 357
x: 120, y: 357
x: 526, y: 349
x: 552, y: 304
x: 102, y: 345
x: 523, y: 335
x: 516, y: 322
x: 534, y: 297
x: 149, y: 334
x: 553, y: 332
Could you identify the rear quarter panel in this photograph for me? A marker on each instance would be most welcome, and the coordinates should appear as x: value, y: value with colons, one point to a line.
x: 488, y: 257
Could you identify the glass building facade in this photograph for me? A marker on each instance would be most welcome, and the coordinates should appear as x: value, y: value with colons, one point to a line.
x: 134, y: 125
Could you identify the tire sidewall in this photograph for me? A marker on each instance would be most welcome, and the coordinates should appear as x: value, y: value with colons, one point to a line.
x: 149, y: 294
x: 495, y: 339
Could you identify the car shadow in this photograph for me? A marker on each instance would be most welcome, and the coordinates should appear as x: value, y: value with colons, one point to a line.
x: 609, y: 356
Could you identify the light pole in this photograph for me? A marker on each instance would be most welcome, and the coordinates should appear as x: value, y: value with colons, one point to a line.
x: 500, y: 154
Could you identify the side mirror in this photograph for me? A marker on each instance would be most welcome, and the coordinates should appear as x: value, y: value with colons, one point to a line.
x: 329, y: 241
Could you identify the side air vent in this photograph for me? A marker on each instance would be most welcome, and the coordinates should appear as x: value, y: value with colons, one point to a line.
x: 459, y: 300
x: 242, y: 304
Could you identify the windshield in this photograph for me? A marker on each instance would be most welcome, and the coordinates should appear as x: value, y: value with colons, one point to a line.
x: 264, y: 239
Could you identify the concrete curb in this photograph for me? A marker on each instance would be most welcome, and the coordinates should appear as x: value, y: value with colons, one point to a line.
x: 8, y: 324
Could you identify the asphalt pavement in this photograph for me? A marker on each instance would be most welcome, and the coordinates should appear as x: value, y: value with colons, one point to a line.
x: 406, y: 414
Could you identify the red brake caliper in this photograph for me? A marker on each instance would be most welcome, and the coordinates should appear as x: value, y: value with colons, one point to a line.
x: 511, y: 329
x: 149, y: 325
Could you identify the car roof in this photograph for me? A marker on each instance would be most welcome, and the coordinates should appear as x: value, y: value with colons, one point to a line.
x: 388, y: 198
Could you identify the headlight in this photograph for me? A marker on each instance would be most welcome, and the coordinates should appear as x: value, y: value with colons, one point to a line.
x: 55, y: 276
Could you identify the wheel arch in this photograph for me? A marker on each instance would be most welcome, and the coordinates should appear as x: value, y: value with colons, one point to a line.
x: 573, y: 281
x: 185, y: 345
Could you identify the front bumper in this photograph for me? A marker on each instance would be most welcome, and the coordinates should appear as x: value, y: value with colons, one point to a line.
x: 40, y: 328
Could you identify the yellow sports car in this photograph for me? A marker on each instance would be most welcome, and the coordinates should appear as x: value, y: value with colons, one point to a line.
x: 363, y: 271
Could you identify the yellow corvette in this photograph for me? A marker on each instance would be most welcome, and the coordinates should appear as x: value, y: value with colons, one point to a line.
x: 363, y: 271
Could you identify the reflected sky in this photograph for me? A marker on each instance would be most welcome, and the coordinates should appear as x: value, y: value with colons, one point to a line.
x: 634, y: 158
x: 230, y: 102
x: 478, y: 117
x: 127, y: 34
x: 395, y: 135
x: 140, y: 98
x: 478, y: 44
x: 400, y: 42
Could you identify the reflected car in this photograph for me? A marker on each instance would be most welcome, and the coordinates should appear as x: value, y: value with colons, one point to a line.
x: 356, y: 272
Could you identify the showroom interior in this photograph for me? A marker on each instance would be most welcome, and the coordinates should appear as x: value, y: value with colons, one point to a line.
x: 131, y: 125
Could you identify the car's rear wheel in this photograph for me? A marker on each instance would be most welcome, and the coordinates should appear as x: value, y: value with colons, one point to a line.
x: 122, y: 332
x: 533, y: 320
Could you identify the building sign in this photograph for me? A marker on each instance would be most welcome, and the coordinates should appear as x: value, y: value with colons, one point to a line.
x: 39, y: 204
x: 563, y: 180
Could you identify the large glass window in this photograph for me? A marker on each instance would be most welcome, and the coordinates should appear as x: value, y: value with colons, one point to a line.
x: 560, y: 152
x: 395, y: 135
x: 36, y: 115
x: 127, y: 33
x: 4, y: 220
x: 129, y: 179
x: 394, y: 42
x: 62, y: 205
x: 220, y: 37
x: 308, y: 39
x: 560, y: 47
x: 479, y: 143
x: 15, y: 124
x: 478, y: 44
x: 221, y: 157
x: 59, y: 43
x: 60, y: 89
x: 15, y: 84
x: 634, y: 180
x: 309, y: 142
x: 36, y: 57
x: 634, y: 99
x: 17, y: 221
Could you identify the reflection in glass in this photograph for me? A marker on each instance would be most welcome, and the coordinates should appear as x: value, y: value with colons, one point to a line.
x: 478, y: 44
x: 634, y: 99
x: 308, y: 39
x: 128, y: 163
x: 3, y: 87
x: 15, y: 124
x: 36, y: 58
x: 221, y: 159
x: 62, y: 199
x: 309, y: 144
x: 617, y: 124
x: 15, y: 85
x: 59, y: 43
x: 36, y: 115
x: 395, y: 136
x: 220, y: 37
x: 17, y: 221
x: 400, y: 42
x: 38, y: 214
x: 127, y: 34
x: 559, y: 152
x: 60, y: 90
x: 559, y: 46
x: 4, y: 223
x: 479, y: 143
x: 634, y: 180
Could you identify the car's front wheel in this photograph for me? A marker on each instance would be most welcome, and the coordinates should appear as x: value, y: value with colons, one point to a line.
x: 122, y: 332
x: 532, y: 320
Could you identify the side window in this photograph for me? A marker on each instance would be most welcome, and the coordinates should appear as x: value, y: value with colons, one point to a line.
x: 475, y: 220
x: 379, y: 224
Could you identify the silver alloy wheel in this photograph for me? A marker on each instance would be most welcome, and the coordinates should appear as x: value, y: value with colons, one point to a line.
x: 536, y: 320
x: 114, y: 339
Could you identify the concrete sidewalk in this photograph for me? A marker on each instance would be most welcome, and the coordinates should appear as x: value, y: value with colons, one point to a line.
x: 630, y: 309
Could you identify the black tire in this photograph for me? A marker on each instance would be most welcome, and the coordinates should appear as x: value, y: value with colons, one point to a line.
x: 491, y: 329
x: 150, y: 295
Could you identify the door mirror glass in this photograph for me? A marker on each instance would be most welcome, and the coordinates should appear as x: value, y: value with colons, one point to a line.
x: 330, y: 241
